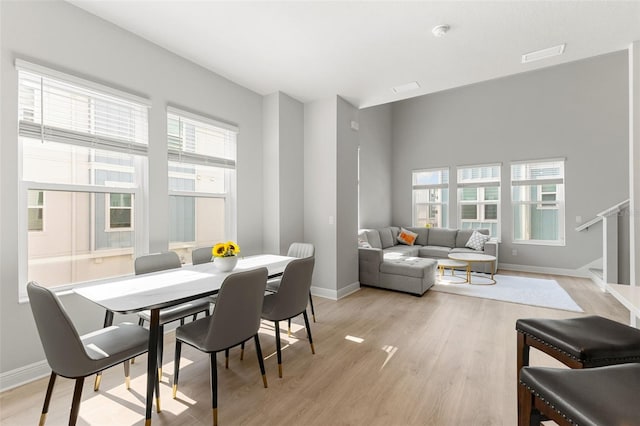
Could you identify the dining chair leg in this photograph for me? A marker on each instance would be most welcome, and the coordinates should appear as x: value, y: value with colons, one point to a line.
x: 47, y: 398
x: 241, y: 351
x: 256, y: 339
x: 96, y: 382
x: 176, y: 367
x: 306, y: 323
x: 289, y: 327
x: 214, y: 387
x: 278, y: 349
x: 226, y: 358
x: 313, y: 311
x: 75, y: 404
x: 127, y: 371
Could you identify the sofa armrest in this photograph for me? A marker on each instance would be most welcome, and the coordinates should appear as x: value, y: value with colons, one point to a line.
x: 369, y: 260
x: 491, y: 248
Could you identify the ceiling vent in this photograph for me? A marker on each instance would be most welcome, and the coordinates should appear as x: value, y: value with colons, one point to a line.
x: 406, y: 87
x: 543, y: 54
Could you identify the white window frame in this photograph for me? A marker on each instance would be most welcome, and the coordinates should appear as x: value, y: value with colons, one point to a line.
x: 43, y: 132
x: 419, y: 187
x: 108, y: 208
x: 480, y: 185
x: 229, y: 166
x: 558, y: 204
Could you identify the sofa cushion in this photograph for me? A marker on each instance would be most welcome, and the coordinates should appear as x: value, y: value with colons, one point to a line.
x: 386, y: 237
x: 462, y: 250
x: 402, y: 250
x: 373, y: 238
x: 407, y: 237
x: 434, y: 251
x: 395, y: 230
x: 423, y: 234
x: 408, y: 266
x: 464, y: 235
x: 477, y: 240
x: 443, y: 237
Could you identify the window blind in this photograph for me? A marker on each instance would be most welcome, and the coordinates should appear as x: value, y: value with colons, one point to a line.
x: 54, y: 109
x: 200, y: 141
x: 479, y: 176
x: 537, y: 173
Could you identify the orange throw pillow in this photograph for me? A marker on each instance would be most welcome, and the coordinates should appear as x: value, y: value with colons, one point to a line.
x: 407, y: 237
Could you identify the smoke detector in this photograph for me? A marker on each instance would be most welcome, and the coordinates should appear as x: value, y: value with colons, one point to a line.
x: 440, y: 30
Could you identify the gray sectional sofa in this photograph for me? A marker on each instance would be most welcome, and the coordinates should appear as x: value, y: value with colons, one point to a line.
x: 412, y: 268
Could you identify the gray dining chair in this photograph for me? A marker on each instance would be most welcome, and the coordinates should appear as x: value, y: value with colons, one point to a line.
x: 161, y: 262
x: 290, y: 300
x: 299, y: 250
x: 201, y: 255
x: 76, y: 357
x: 235, y: 319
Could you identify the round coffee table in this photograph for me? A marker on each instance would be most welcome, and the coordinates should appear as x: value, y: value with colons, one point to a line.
x: 451, y: 264
x: 470, y: 258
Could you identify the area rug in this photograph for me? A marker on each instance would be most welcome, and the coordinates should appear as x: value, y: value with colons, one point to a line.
x: 523, y: 290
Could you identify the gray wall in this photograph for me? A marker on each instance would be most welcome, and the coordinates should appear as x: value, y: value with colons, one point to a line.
x: 578, y: 111
x: 283, y: 186
x: 291, y: 171
x: 270, y: 174
x: 375, y: 167
x: 330, y: 194
x: 71, y: 40
x: 320, y: 172
x: 347, y: 196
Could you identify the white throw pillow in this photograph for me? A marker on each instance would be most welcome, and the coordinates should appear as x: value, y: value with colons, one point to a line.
x: 477, y: 240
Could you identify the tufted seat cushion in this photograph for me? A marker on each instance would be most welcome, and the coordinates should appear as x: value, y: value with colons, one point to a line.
x: 409, y: 266
x: 589, y: 397
x: 593, y: 340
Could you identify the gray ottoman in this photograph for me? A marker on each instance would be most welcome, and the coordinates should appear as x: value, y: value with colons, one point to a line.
x: 413, y: 275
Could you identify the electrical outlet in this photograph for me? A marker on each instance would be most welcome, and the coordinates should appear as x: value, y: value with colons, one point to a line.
x: 514, y: 252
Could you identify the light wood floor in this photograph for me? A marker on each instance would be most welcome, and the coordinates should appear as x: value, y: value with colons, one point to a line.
x: 441, y: 359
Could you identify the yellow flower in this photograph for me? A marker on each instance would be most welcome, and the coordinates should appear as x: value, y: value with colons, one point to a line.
x: 225, y: 249
x: 219, y: 250
x: 233, y: 248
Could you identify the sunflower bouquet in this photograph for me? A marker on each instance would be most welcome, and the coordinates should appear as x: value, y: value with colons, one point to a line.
x: 225, y: 249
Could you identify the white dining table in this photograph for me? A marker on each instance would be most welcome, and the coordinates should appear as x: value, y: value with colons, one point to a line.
x: 163, y: 289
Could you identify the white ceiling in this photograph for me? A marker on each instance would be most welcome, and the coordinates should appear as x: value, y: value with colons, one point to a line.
x: 361, y: 49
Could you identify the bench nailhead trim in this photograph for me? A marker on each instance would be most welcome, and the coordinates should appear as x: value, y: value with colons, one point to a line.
x: 564, y: 416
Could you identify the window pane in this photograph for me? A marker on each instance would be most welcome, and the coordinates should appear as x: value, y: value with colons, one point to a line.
x: 77, y: 248
x: 469, y: 194
x: 35, y: 219
x: 469, y: 212
x: 120, y: 200
x: 35, y: 198
x: 197, y: 178
x: 431, y: 177
x: 492, y: 193
x: 491, y: 212
x: 54, y: 162
x: 195, y: 222
x: 533, y: 223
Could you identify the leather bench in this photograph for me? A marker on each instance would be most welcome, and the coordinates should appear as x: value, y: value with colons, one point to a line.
x: 584, y: 342
x: 586, y: 397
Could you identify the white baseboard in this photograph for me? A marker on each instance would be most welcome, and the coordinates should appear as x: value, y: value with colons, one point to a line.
x: 22, y: 375
x: 333, y: 294
x: 544, y: 270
